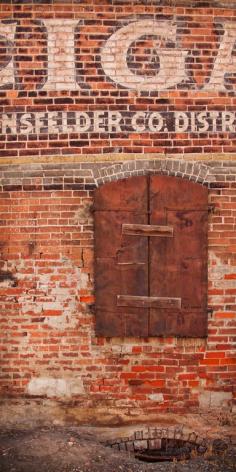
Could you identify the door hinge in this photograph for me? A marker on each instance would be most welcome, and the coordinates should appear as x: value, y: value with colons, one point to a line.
x: 211, y: 208
x: 210, y: 310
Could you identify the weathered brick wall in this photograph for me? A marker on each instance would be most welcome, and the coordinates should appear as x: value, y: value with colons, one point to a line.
x: 70, y: 121
x: 71, y: 89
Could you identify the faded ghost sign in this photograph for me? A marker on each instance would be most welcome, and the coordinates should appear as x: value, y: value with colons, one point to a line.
x: 117, y: 69
x: 116, y: 122
x: 172, y: 69
x: 172, y: 61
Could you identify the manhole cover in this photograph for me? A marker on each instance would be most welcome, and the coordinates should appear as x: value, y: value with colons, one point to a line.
x: 170, y: 450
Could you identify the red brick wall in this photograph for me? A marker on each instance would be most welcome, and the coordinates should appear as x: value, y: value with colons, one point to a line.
x: 47, y: 179
x: 205, y: 36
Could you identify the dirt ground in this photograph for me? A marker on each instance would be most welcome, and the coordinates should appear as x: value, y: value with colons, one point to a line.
x: 78, y: 449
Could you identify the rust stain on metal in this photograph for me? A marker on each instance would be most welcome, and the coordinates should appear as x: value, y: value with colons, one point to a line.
x: 151, y: 286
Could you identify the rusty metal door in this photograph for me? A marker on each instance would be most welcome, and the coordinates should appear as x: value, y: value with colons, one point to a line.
x: 151, y: 257
x: 178, y: 265
x: 121, y: 261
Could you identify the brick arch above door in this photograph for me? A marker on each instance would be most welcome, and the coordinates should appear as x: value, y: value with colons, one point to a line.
x: 188, y: 170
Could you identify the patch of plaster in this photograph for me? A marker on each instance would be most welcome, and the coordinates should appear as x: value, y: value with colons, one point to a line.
x: 83, y: 215
x: 56, y: 298
x: 61, y: 321
x: 28, y: 305
x: 53, y: 387
x: 84, y: 280
x: 219, y: 278
x: 156, y: 397
x: 217, y: 271
x: 209, y: 399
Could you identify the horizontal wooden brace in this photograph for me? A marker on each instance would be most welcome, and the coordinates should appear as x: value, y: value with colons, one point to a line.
x: 147, y: 230
x: 130, y: 264
x: 148, y: 302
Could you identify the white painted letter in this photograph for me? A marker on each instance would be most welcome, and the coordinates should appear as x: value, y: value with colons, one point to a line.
x: 172, y: 61
x: 61, y: 55
x: 40, y: 118
x: 99, y: 122
x: 135, y: 122
x: 228, y: 121
x: 26, y: 126
x: 7, y: 73
x: 53, y: 126
x: 155, y: 122
x: 225, y: 63
x: 214, y: 115
x: 181, y: 122
x: 83, y: 122
x: 9, y: 123
x: 114, y: 119
x: 202, y: 119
